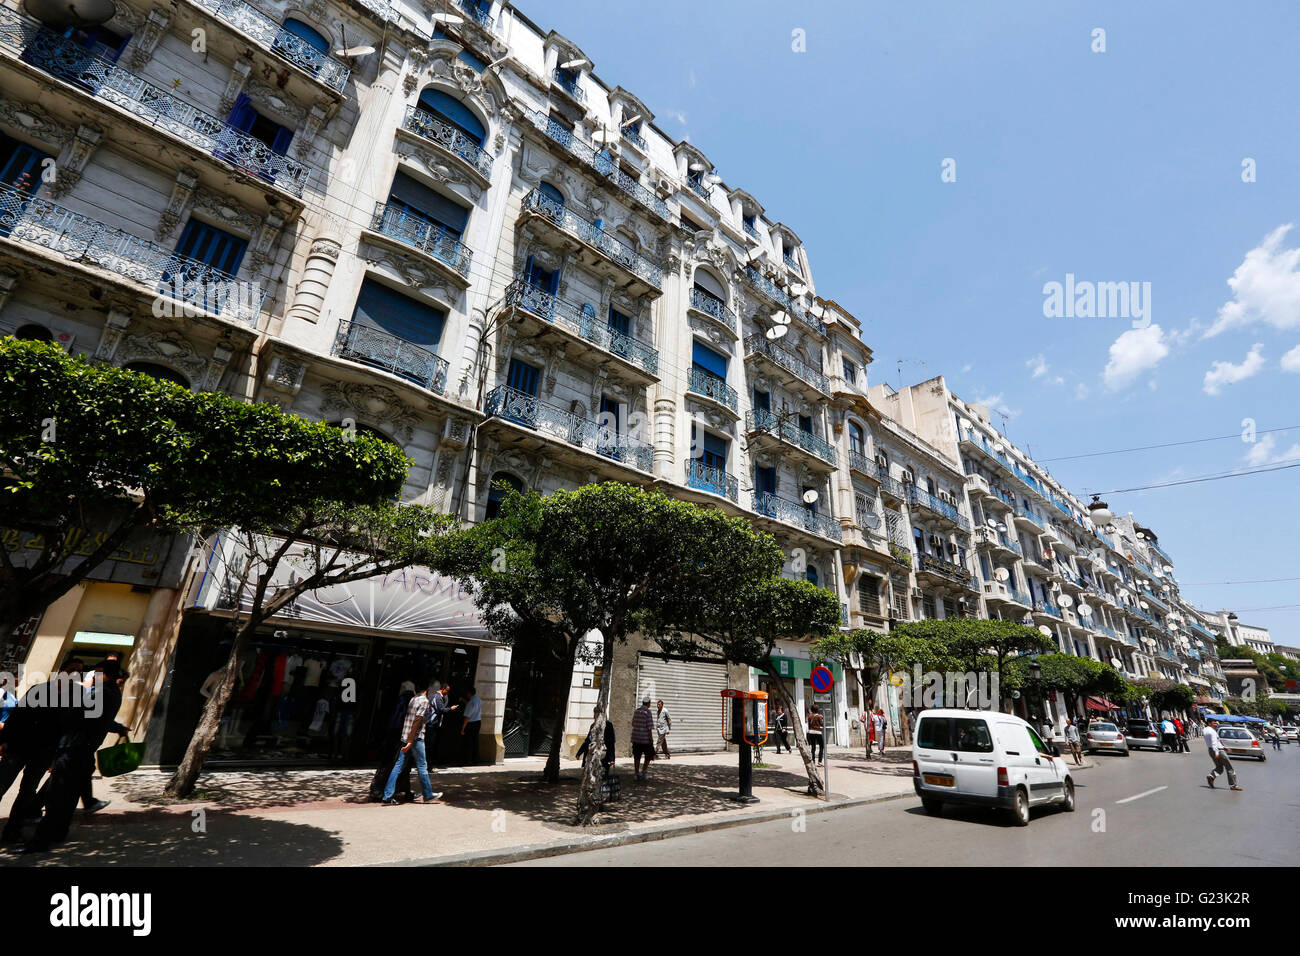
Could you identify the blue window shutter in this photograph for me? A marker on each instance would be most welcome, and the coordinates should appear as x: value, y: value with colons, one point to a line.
x: 709, y: 360
x: 283, y: 136
x: 762, y: 401
x: 211, y: 246
x: 18, y: 160
x: 474, y: 62
x: 619, y: 322
x: 805, y: 424
x: 523, y: 377
x: 242, y: 115
x: 425, y: 203
x: 765, y: 480
x: 454, y: 112
x: 305, y: 33
x: 380, y: 307
x: 551, y: 193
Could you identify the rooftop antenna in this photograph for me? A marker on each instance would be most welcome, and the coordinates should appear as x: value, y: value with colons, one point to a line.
x: 906, y: 361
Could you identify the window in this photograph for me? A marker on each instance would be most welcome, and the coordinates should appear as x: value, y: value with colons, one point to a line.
x: 928, y: 606
x: 474, y: 63
x: 611, y: 428
x: 949, y: 607
x: 935, y: 733
x: 748, y: 222
x: 618, y: 322
x: 902, y: 604
x: 918, y: 538
x: 306, y: 34
x: 20, y: 166
x: 857, y: 439
x: 211, y: 246
x: 523, y: 377
x: 34, y: 333
x: 379, y: 307
x: 248, y: 120
x: 869, y: 594
x: 548, y: 280
x: 762, y: 401
x: 805, y: 424
x: 764, y: 480
x: 712, y: 448
x: 971, y: 735
x: 411, y: 199
x: 1037, y: 741
x: 453, y: 112
x: 850, y: 371
x: 551, y: 193
x: 160, y: 372
x: 502, y: 484
x: 102, y: 42
x: 704, y: 358
x: 811, y: 575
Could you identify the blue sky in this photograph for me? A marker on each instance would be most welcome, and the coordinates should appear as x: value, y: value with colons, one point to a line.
x: 1123, y: 165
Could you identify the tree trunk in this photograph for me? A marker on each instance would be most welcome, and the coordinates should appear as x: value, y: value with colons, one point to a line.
x: 589, y: 790
x: 552, y: 772
x: 187, y: 772
x: 815, y: 785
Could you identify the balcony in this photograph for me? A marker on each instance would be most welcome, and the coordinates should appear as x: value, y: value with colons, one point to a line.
x: 596, y: 238
x: 938, y: 507
x: 1046, y: 607
x: 713, y: 387
x: 272, y: 36
x: 428, y: 237
x: 759, y: 345
x: 1027, y: 516
x: 600, y: 162
x: 556, y: 423
x: 477, y: 13
x: 567, y: 80
x: 85, y: 241
x: 998, y: 541
x: 817, y: 450
x: 943, y: 570
x: 751, y: 230
x: 777, y: 296
x: 890, y: 486
x: 798, y: 514
x: 713, y: 480
x: 582, y: 324
x: 996, y: 592
x: 714, y: 309
x: 902, y: 556
x: 698, y: 185
x: 431, y: 128
x: 375, y: 347
x: 862, y: 465
x: 106, y: 82
x: 635, y: 138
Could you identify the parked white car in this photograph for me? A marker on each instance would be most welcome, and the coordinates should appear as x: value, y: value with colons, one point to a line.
x: 1105, y: 738
x: 988, y: 759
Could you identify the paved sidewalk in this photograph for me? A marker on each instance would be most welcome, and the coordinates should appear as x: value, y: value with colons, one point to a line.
x: 488, y: 814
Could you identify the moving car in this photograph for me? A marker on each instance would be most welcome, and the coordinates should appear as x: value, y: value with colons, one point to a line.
x: 1105, y: 738
x: 1142, y: 733
x: 1289, y: 734
x: 987, y: 759
x: 1239, y: 742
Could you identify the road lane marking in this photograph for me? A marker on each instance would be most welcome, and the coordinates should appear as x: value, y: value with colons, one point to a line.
x: 1145, y: 793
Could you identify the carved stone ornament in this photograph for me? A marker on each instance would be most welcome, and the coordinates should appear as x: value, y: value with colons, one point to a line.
x: 168, y: 348
x: 73, y: 160
x: 272, y: 101
x: 235, y: 85
x: 35, y: 122
x: 110, y: 336
x: 311, y: 126
x: 285, y: 374
x: 377, y: 403
x: 411, y: 269
x: 264, y: 240
x: 179, y: 204
x: 229, y: 214
x: 437, y: 168
x: 146, y: 41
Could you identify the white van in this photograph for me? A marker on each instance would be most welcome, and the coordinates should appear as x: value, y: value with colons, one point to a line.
x: 988, y: 759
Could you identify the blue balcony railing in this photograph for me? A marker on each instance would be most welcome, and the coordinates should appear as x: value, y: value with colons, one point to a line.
x: 1022, y: 512
x: 371, y: 346
x: 756, y: 343
x: 69, y: 61
x: 595, y: 236
x: 706, y: 383
x: 713, y: 308
x: 751, y: 230
x: 583, y: 323
x: 633, y: 136
x: 768, y: 422
x: 797, y: 514
x: 428, y: 126
x: 477, y: 12
x: 1045, y: 607
x: 399, y: 223
x: 937, y: 505
x: 567, y: 80
x: 531, y: 412
x: 79, y: 239
x: 274, y: 37
x: 1020, y: 597
x: 713, y: 480
x: 861, y: 463
x: 890, y: 486
x: 601, y: 162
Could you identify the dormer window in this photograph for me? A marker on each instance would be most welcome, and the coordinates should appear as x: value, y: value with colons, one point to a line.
x: 751, y: 227
x: 695, y: 179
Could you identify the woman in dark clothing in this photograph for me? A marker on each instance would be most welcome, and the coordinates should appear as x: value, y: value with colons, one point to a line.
x: 391, y: 748
x: 608, y: 757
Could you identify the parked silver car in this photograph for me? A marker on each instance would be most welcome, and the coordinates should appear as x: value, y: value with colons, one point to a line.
x: 1104, y: 737
x: 1142, y: 733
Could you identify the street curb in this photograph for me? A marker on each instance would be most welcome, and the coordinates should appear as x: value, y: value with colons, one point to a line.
x: 536, y: 851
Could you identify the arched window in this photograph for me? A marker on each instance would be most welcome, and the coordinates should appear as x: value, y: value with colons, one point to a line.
x: 551, y: 193
x: 451, y: 110
x: 307, y: 35
x: 857, y: 439
x: 363, y: 429
x: 34, y: 333
x: 502, y: 484
x: 811, y: 574
x: 160, y: 372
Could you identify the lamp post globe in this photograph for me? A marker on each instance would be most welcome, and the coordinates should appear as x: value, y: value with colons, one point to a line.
x: 61, y: 14
x: 1098, y: 512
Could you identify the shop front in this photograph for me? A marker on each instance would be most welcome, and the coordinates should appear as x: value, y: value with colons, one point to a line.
x: 796, y: 673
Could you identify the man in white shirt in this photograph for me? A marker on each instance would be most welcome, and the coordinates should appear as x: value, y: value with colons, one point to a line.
x: 1072, y: 738
x: 1169, y: 741
x: 663, y: 727
x: 1218, y: 755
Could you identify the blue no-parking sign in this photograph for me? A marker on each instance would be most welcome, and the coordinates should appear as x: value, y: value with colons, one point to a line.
x: 822, y: 679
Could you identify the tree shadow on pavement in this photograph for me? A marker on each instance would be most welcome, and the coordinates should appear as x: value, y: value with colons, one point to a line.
x: 893, y: 764
x: 251, y: 789
x: 231, y: 839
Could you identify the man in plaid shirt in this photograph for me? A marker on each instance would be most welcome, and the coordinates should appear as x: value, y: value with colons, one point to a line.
x: 643, y: 739
x: 413, y: 749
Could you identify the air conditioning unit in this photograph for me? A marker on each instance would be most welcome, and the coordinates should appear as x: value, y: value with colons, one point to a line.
x: 918, y: 593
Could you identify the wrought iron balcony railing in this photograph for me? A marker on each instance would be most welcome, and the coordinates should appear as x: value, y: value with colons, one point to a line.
x: 274, y: 37
x: 751, y: 230
x: 83, y: 240
x: 713, y: 480
x: 943, y: 568
x: 1046, y: 607
x: 699, y: 185
x: 1020, y: 597
x: 568, y: 82
x: 528, y: 410
x: 1022, y: 512
x: 582, y: 323
x: 890, y: 486
x: 601, y: 162
x: 712, y: 307
x: 715, y: 387
x: 937, y: 505
x: 477, y: 13
x: 798, y: 514
x: 69, y: 61
x: 861, y: 463
x: 900, y: 554
x: 371, y: 346
x: 777, y: 296
x: 428, y: 126
x: 634, y: 137
x: 788, y: 431
x: 756, y: 343
x: 596, y: 237
x: 398, y: 223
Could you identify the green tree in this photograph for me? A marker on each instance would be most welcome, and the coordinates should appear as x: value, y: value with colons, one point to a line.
x: 95, y: 448
x: 1074, y: 677
x: 967, y: 640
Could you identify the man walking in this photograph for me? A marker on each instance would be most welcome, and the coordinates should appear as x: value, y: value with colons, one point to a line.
x: 781, y: 724
x: 30, y: 740
x: 879, y: 724
x: 643, y: 741
x: 663, y: 727
x: 816, y: 723
x: 1169, y: 741
x: 413, y: 749
x: 1072, y: 738
x: 1218, y: 755
x: 470, y: 725
x: 439, y: 713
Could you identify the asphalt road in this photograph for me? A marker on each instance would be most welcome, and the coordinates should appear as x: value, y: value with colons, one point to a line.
x: 1148, y: 809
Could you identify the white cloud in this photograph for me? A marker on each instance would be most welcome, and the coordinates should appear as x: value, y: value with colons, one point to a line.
x: 1056, y: 380
x: 1291, y: 361
x: 1177, y: 338
x: 1265, y: 287
x: 1081, y: 391
x: 1225, y: 373
x: 1264, y: 452
x: 1038, y: 365
x: 1135, y: 351
x: 995, y: 403
x: 967, y: 367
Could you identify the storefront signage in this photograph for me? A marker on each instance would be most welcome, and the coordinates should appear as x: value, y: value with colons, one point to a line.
x: 411, y: 601
x: 152, y: 558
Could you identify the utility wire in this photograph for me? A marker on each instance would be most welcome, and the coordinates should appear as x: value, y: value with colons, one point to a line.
x: 1170, y: 444
x: 1203, y: 584
x: 1276, y: 466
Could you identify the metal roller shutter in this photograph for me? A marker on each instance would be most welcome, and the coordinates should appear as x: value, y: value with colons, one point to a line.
x: 692, y: 694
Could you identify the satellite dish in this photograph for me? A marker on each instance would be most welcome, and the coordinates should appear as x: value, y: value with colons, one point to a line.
x: 61, y: 14
x: 1001, y: 574
x: 1144, y: 605
x: 352, y: 52
x: 992, y: 523
x: 1045, y: 629
x: 1001, y: 526
x: 1141, y: 536
x: 780, y: 318
x: 1065, y: 600
x: 451, y: 20
x: 570, y: 65
x: 1114, y: 563
x: 797, y: 289
x: 997, y: 447
x: 630, y: 122
x: 1169, y: 569
x: 1116, y: 663
x: 776, y: 332
x: 872, y: 521
x: 1085, y: 610
x: 810, y: 497
x: 697, y: 167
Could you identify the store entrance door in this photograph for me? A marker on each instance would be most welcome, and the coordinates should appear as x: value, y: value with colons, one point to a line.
x: 411, y: 661
x: 538, y: 692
